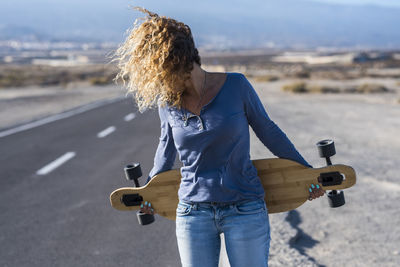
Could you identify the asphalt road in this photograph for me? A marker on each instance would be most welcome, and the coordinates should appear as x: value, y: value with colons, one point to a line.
x: 58, y: 213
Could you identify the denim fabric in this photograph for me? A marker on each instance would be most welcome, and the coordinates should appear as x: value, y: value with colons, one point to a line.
x: 246, y: 229
x: 214, y: 147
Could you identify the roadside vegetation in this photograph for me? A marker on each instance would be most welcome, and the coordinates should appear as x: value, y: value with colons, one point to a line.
x: 28, y: 75
x: 260, y: 68
x: 303, y: 87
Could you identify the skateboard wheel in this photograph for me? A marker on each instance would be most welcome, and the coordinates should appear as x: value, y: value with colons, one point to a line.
x: 133, y: 172
x: 144, y: 218
x: 326, y: 148
x: 335, y: 198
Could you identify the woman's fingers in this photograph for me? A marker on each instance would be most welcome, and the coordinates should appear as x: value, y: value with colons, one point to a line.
x: 312, y: 196
x: 315, y: 191
x: 146, y: 208
x: 321, y: 192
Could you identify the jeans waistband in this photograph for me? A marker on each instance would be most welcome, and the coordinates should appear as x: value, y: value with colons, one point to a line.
x: 218, y: 204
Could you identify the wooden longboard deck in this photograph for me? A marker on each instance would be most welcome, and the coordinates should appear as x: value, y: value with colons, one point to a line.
x: 285, y: 182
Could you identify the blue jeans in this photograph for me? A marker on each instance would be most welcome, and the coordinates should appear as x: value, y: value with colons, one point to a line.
x: 245, y: 226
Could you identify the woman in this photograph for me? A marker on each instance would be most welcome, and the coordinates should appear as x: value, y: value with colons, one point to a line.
x: 205, y: 117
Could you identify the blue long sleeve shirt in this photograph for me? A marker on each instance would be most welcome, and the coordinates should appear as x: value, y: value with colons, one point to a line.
x: 215, y: 146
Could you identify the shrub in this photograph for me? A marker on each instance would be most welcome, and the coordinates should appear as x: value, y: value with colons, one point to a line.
x: 302, y: 87
x: 371, y: 88
x: 322, y: 89
x: 298, y: 87
x: 266, y: 78
x: 98, y: 80
x: 302, y: 74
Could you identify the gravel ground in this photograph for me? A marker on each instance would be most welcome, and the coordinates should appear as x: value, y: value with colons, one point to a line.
x: 365, y: 129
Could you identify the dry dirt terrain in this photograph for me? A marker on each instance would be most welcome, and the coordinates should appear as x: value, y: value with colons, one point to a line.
x: 365, y: 129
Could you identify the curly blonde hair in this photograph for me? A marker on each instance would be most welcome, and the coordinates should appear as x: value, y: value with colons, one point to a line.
x: 156, y: 59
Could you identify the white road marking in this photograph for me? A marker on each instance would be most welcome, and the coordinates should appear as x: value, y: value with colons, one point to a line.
x: 130, y: 117
x: 59, y: 116
x: 106, y: 132
x: 56, y: 163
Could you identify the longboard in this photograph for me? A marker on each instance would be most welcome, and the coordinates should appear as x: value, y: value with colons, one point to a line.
x: 285, y: 183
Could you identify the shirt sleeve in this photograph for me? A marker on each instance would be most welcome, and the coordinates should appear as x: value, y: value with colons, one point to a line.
x: 166, y: 152
x: 266, y: 130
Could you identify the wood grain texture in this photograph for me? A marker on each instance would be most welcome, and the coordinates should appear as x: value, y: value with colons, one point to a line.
x: 285, y: 182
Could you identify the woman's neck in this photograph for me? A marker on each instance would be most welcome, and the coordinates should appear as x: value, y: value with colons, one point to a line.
x: 197, y: 80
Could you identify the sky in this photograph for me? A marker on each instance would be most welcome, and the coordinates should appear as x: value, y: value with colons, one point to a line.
x: 223, y: 22
x: 387, y: 3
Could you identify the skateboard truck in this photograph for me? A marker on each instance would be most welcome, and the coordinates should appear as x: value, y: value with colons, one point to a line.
x: 326, y: 149
x: 134, y: 172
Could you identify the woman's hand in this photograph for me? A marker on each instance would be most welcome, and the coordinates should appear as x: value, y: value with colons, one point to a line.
x: 315, y: 191
x: 146, y: 208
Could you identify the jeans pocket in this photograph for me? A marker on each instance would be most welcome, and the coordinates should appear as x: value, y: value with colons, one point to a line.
x: 183, y: 209
x: 250, y: 207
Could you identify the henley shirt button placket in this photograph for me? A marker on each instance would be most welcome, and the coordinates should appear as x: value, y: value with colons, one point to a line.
x: 201, y: 126
x: 186, y: 118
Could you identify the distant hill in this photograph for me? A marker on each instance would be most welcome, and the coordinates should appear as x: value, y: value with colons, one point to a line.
x: 217, y: 24
x: 23, y: 33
